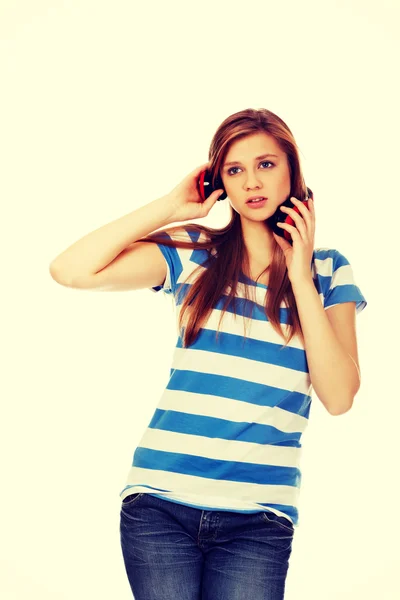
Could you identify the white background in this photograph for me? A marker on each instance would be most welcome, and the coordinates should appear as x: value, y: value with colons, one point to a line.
x: 104, y: 107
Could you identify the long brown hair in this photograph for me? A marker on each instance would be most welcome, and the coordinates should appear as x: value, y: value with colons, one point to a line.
x: 230, y: 257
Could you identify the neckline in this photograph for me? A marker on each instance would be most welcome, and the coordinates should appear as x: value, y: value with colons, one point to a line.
x: 247, y: 280
x: 244, y: 279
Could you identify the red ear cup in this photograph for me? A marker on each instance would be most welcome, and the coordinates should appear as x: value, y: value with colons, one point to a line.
x: 281, y: 217
x: 205, y: 187
x: 201, y: 185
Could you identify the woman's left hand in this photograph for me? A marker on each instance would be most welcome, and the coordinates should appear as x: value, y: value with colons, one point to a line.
x: 298, y: 257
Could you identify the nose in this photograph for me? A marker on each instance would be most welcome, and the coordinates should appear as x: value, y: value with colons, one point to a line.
x: 252, y: 183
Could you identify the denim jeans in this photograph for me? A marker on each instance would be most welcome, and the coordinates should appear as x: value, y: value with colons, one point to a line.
x: 177, y: 552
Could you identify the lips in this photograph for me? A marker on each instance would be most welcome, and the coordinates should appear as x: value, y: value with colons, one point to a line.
x: 255, y: 198
x: 257, y: 205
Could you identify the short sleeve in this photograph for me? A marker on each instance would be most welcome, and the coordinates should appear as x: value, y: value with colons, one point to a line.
x: 173, y: 265
x: 182, y: 262
x: 179, y: 261
x: 339, y: 282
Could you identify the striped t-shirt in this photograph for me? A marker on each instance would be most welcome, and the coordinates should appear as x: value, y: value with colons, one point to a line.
x: 226, y: 433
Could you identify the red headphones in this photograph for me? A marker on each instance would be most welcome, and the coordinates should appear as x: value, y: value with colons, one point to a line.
x: 206, y: 189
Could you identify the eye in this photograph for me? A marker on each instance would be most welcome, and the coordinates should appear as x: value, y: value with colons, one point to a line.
x: 264, y: 162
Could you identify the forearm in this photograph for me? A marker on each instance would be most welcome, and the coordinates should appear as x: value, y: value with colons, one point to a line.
x: 333, y: 373
x: 98, y: 249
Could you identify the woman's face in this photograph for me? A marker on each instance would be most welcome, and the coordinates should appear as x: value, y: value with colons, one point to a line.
x: 251, y: 176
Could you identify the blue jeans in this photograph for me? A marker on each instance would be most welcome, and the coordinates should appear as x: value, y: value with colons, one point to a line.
x: 177, y: 552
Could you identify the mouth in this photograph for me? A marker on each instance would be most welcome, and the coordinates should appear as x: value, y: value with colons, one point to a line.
x: 256, y: 199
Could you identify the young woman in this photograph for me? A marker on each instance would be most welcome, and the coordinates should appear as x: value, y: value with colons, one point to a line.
x: 210, y: 504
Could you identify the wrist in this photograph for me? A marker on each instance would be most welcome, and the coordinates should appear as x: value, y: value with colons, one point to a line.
x: 301, y: 282
x: 165, y: 207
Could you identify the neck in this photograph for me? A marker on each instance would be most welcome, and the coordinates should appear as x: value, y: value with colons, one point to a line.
x: 259, y: 242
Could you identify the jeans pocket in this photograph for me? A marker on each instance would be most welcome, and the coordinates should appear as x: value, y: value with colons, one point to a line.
x: 132, y: 498
x: 270, y: 517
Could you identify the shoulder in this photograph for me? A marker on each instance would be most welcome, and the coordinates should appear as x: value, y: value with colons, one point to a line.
x: 185, y: 257
x: 186, y: 233
x: 334, y: 278
x: 326, y: 261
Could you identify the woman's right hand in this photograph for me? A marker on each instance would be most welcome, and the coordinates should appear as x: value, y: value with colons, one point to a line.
x: 186, y: 202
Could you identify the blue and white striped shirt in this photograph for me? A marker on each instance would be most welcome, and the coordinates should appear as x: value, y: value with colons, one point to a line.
x: 226, y: 433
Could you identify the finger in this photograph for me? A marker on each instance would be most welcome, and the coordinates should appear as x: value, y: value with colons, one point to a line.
x: 201, y: 168
x: 212, y: 198
x: 294, y: 232
x: 301, y: 223
x: 307, y: 213
x: 284, y: 244
x: 304, y: 211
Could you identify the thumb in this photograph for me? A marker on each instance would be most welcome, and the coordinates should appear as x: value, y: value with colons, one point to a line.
x: 284, y: 244
x: 211, y: 200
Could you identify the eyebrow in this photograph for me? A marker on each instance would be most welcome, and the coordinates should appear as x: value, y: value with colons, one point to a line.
x: 236, y: 162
